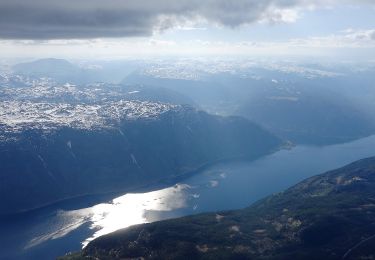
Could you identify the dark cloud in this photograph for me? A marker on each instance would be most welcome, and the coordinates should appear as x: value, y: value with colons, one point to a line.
x: 58, y: 19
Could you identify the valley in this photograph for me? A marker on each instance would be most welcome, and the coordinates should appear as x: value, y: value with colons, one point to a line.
x: 68, y: 225
x: 164, y: 140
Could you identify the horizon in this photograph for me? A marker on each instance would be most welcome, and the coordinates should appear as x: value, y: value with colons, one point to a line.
x: 340, y: 30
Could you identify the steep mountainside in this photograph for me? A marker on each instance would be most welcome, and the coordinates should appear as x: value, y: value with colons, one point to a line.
x: 306, y: 105
x: 66, y: 143
x: 309, y: 117
x: 329, y: 216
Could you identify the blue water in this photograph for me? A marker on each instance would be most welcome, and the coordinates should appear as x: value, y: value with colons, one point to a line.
x: 67, y: 226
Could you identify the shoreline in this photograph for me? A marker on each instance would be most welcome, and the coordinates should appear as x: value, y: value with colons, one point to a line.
x: 160, y: 183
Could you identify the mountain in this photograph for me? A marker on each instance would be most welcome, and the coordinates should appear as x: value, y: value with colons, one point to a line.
x: 329, y: 216
x: 58, y: 69
x: 69, y: 142
x: 156, y: 94
x: 63, y: 71
x: 305, y: 104
x: 308, y: 115
x: 212, y: 96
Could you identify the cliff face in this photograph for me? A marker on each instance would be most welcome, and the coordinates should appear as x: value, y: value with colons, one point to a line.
x: 330, y: 216
x: 51, y: 152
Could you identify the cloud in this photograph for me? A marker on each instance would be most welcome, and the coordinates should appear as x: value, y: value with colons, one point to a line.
x: 83, y: 19
x: 359, y: 37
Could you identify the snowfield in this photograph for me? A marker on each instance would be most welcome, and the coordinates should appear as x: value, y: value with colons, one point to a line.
x: 48, y: 107
x: 16, y: 115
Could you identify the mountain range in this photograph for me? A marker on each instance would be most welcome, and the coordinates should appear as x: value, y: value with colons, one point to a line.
x: 100, y: 139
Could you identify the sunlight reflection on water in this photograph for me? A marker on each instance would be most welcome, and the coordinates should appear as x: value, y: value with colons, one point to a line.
x: 131, y: 209
x: 222, y: 187
x: 124, y: 211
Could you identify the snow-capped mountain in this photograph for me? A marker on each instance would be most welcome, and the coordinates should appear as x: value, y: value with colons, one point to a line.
x: 60, y: 140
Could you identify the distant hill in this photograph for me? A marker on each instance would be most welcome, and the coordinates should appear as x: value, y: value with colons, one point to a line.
x: 329, y: 216
x: 55, y: 68
x: 63, y: 71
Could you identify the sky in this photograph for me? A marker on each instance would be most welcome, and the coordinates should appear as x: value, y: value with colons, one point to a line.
x: 109, y: 29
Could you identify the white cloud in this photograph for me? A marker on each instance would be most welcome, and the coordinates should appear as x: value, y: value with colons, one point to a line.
x: 281, y: 16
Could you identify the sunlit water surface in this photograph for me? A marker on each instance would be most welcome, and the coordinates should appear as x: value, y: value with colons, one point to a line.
x: 233, y: 185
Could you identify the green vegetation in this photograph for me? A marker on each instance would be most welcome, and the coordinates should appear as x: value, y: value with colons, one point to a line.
x: 330, y: 216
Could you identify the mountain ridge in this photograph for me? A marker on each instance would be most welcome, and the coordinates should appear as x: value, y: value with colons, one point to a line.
x: 65, y: 161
